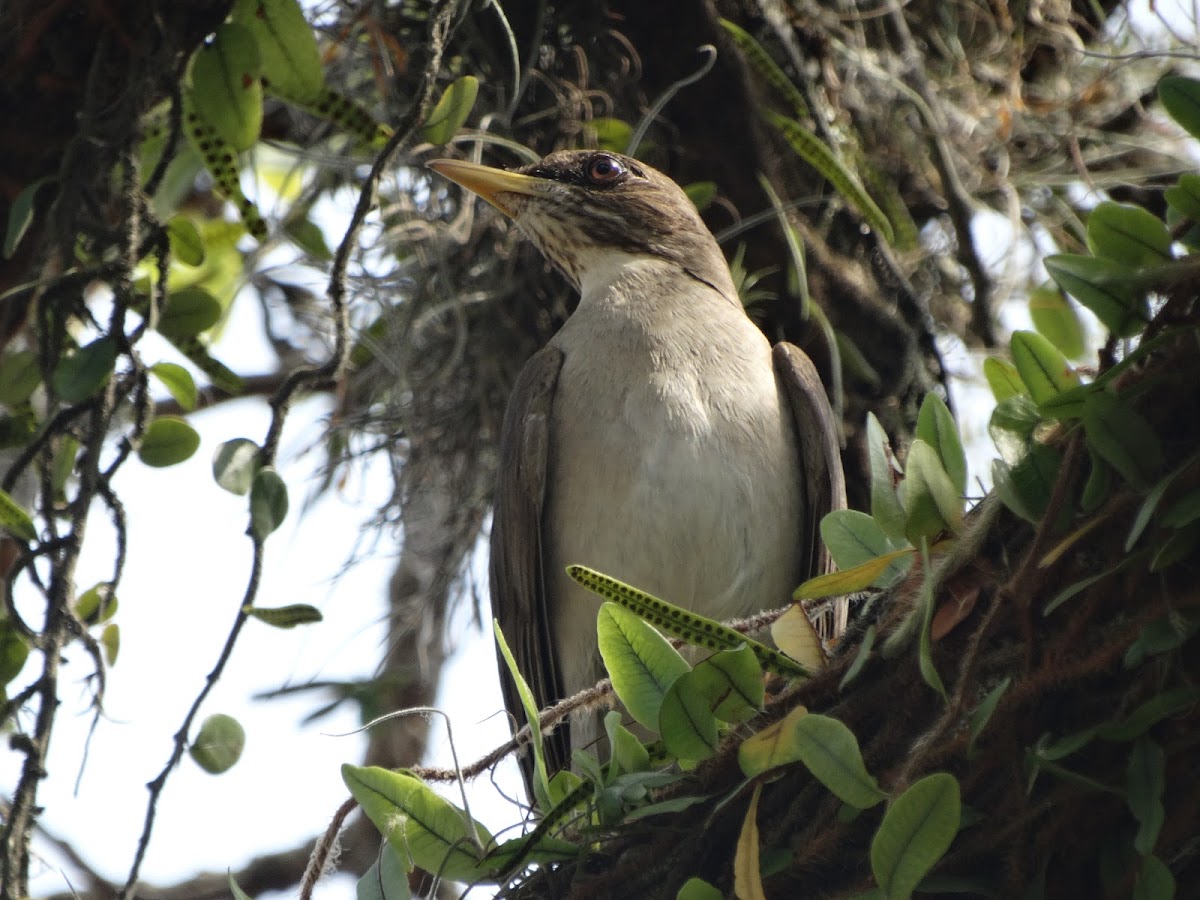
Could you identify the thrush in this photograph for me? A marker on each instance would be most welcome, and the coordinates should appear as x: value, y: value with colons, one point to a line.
x: 657, y: 438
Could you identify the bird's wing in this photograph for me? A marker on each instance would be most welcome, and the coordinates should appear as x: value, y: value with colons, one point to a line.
x: 820, y: 455
x: 516, y: 569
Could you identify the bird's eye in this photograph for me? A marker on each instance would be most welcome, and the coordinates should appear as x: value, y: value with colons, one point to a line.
x: 604, y: 169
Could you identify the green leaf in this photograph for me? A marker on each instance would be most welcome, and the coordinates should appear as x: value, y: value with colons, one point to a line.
x: 1154, y: 881
x: 860, y: 658
x: 541, y: 779
x: 235, y: 464
x: 929, y: 672
x: 816, y: 154
x: 1179, y: 546
x: 853, y: 538
x: 613, y: 134
x: 1025, y: 488
x: 1044, y: 371
x: 701, y: 193
x: 916, y: 831
x: 827, y: 748
x: 1123, y: 438
x: 1145, y: 786
x: 419, y: 824
x: 983, y: 712
x: 1012, y: 425
x: 1056, y: 319
x: 178, y: 381
x: 290, y: 60
x: 1160, y: 636
x: 20, y: 216
x: 168, y: 440
x: 286, y: 616
x: 13, y: 653
x: 187, y: 313
x: 686, y: 722
x: 1180, y: 97
x: 268, y: 502
x: 219, y: 744
x: 886, y: 509
x: 732, y: 683
x: 452, y: 110
x: 14, y: 519
x: 186, y: 244
x: 640, y: 661
x: 19, y: 376
x: 1127, y: 234
x: 308, y: 236
x: 110, y: 642
x: 1104, y: 286
x: 82, y: 374
x: 1004, y: 379
x: 1150, y: 713
x: 387, y: 879
x: 935, y: 426
x: 97, y: 604
x: 226, y: 88
x: 697, y: 888
x: 1184, y: 197
x: 629, y: 754
x: 932, y: 503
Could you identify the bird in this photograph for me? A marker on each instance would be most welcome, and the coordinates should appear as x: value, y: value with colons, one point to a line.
x: 657, y: 437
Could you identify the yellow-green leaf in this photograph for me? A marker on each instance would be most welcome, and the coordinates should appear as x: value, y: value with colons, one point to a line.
x: 168, y: 440
x: 452, y: 109
x: 286, y: 616
x: 226, y: 88
x: 219, y: 744
x: 14, y: 519
x: 1043, y: 369
x: 747, y: 874
x: 1055, y: 317
x: 848, y: 581
x: 291, y: 62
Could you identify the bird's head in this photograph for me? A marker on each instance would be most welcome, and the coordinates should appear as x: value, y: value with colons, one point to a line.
x: 582, y: 207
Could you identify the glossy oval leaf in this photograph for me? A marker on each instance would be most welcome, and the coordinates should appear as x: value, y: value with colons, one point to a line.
x: 168, y: 440
x: 452, y: 110
x: 1057, y: 320
x: 936, y: 427
x: 226, y: 88
x: 20, y: 375
x: 188, y: 312
x: 1104, y: 286
x: 853, y: 537
x: 1184, y: 197
x: 886, y: 508
x: 84, y: 372
x: 1180, y: 96
x: 218, y: 744
x: 931, y: 501
x: 1123, y: 438
x: 13, y: 653
x: 418, y: 823
x: 915, y: 833
x: 268, y: 502
x: 826, y: 747
x: 1043, y: 369
x: 1127, y: 234
x: 235, y: 464
x: 97, y: 604
x: 178, y: 381
x: 290, y: 60
x: 286, y: 616
x: 14, y: 519
x: 731, y: 681
x: 110, y: 642
x: 686, y: 721
x: 639, y: 660
x: 186, y: 244
x: 1003, y: 379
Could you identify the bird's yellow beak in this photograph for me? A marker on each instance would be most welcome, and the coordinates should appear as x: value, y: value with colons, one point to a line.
x: 488, y: 183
